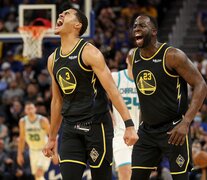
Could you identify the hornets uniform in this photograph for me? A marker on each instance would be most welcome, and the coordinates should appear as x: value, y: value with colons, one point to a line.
x: 36, y: 138
x: 87, y: 127
x: 126, y: 86
x: 163, y: 102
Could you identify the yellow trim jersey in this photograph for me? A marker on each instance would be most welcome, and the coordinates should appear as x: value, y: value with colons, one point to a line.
x: 83, y: 95
x: 162, y: 92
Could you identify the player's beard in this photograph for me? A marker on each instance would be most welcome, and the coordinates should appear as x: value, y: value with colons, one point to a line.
x: 146, y: 40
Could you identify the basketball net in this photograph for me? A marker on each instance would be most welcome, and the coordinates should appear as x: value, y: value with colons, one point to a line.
x: 32, y: 40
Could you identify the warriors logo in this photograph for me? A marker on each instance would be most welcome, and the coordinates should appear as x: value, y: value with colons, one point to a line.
x: 66, y: 80
x: 146, y: 82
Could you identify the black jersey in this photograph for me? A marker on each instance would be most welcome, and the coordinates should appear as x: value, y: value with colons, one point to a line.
x: 162, y: 93
x: 78, y: 85
x: 101, y: 99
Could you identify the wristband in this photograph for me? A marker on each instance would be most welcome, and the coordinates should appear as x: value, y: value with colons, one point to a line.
x: 128, y: 123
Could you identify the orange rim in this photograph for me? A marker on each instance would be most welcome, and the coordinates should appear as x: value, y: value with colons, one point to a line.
x: 35, y: 31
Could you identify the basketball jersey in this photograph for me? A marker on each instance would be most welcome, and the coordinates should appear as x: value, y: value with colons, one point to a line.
x: 162, y: 92
x: 78, y: 84
x: 36, y: 137
x: 101, y: 99
x: 127, y: 89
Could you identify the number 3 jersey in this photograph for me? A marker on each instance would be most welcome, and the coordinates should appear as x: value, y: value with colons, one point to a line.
x: 36, y: 136
x: 127, y: 89
x: 83, y: 95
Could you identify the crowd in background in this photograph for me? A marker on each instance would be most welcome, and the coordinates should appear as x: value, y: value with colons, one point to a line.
x: 23, y: 79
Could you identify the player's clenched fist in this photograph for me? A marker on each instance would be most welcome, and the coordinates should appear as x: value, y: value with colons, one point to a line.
x: 49, y: 149
x: 130, y: 136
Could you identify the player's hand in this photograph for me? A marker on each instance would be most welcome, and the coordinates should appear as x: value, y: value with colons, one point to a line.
x: 49, y: 149
x: 130, y: 136
x: 178, y: 133
x: 20, y: 159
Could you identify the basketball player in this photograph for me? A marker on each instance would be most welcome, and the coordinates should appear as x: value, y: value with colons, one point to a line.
x: 78, y: 72
x: 161, y: 74
x: 122, y: 153
x: 34, y: 129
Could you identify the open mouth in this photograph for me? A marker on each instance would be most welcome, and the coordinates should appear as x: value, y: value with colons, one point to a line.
x: 138, y: 37
x: 59, y: 23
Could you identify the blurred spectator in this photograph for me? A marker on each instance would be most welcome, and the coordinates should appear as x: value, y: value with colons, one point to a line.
x: 43, y: 81
x: 16, y: 66
x: 131, y: 10
x: 15, y: 112
x: 32, y: 92
x: 2, y: 26
x: 149, y: 9
x: 196, y: 148
x: 3, y: 128
x: 20, y: 81
x: 12, y: 92
x: 11, y: 23
x: 202, y: 22
x: 20, y: 173
x: 106, y: 18
x: 202, y: 26
x: 5, y: 163
x: 198, y: 128
x: 7, y: 75
x: 28, y: 74
x: 41, y: 107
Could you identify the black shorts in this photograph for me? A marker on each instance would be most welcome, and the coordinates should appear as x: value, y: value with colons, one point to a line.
x: 89, y: 143
x: 153, y: 145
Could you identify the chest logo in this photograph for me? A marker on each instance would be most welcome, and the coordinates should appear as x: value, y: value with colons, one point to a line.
x: 146, y: 82
x: 66, y: 80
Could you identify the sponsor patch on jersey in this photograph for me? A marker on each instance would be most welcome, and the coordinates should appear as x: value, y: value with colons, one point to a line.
x: 157, y: 60
x: 72, y: 57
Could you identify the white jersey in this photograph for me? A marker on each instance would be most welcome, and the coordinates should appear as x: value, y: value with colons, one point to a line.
x: 127, y: 89
x: 36, y: 136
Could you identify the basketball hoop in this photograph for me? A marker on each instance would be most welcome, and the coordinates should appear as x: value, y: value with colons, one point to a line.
x: 32, y: 40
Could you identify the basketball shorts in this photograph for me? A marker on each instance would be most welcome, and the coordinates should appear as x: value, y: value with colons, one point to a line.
x: 153, y: 144
x: 38, y: 160
x: 91, y: 143
x: 122, y: 153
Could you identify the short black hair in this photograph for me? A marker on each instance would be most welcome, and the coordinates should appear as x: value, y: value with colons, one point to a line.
x: 152, y: 20
x: 79, y: 14
x: 82, y: 19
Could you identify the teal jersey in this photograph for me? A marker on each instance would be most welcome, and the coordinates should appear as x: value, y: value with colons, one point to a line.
x: 127, y: 89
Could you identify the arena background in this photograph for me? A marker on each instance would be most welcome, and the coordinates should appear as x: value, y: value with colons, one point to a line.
x: 182, y: 23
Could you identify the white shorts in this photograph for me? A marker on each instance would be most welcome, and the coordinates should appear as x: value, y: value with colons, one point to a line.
x: 122, y: 153
x: 38, y: 160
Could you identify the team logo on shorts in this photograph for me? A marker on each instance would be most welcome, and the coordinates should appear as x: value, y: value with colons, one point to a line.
x: 146, y: 82
x: 94, y: 154
x: 180, y: 160
x: 66, y: 80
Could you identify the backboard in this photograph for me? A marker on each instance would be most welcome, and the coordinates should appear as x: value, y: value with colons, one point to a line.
x: 29, y: 12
